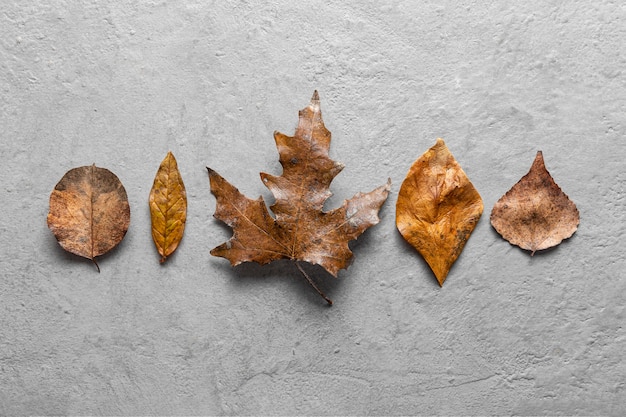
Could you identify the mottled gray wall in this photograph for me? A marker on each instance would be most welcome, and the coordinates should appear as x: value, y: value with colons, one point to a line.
x: 121, y: 83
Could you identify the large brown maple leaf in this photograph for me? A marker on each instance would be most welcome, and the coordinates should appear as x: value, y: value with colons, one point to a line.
x: 300, y: 231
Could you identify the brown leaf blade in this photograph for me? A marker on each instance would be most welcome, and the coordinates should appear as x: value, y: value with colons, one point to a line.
x: 168, y: 207
x: 535, y: 214
x: 300, y: 231
x: 89, y: 211
x: 437, y: 208
x: 255, y: 233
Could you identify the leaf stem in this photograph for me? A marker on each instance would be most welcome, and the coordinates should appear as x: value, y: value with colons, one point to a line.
x: 328, y: 300
x: 96, y: 264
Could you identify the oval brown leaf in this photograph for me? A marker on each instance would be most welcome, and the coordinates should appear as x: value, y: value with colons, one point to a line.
x: 89, y: 212
x: 535, y: 214
x: 437, y: 208
x: 168, y: 207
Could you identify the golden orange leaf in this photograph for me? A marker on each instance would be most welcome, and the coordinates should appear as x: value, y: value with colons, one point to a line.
x: 168, y: 207
x: 301, y: 231
x: 437, y: 208
x: 535, y: 214
x: 89, y: 212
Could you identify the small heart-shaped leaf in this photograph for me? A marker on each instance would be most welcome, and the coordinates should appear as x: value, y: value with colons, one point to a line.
x: 535, y: 214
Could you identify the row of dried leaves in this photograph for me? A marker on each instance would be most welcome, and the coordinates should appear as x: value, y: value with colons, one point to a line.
x: 438, y: 208
x: 436, y: 211
x: 89, y: 211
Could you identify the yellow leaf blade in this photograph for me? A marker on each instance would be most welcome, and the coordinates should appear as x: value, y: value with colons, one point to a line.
x: 168, y: 207
x: 437, y: 208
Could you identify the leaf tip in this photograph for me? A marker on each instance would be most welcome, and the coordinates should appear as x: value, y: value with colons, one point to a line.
x: 315, y: 101
x: 441, y: 277
x: 539, y: 158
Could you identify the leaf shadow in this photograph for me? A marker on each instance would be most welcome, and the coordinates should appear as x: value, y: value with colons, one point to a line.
x: 115, y: 252
x: 547, y: 253
x: 247, y: 274
x: 363, y: 241
x: 228, y: 231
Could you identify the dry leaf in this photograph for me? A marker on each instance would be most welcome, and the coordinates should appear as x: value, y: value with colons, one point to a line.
x: 437, y: 208
x: 535, y: 214
x: 89, y: 212
x: 168, y: 207
x: 301, y: 231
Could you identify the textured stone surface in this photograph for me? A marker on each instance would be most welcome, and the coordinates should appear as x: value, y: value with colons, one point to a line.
x: 120, y: 84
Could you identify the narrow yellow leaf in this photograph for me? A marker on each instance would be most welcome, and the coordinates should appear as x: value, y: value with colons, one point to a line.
x: 168, y: 207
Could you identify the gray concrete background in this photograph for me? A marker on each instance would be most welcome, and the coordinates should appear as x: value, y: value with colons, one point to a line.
x: 121, y: 84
